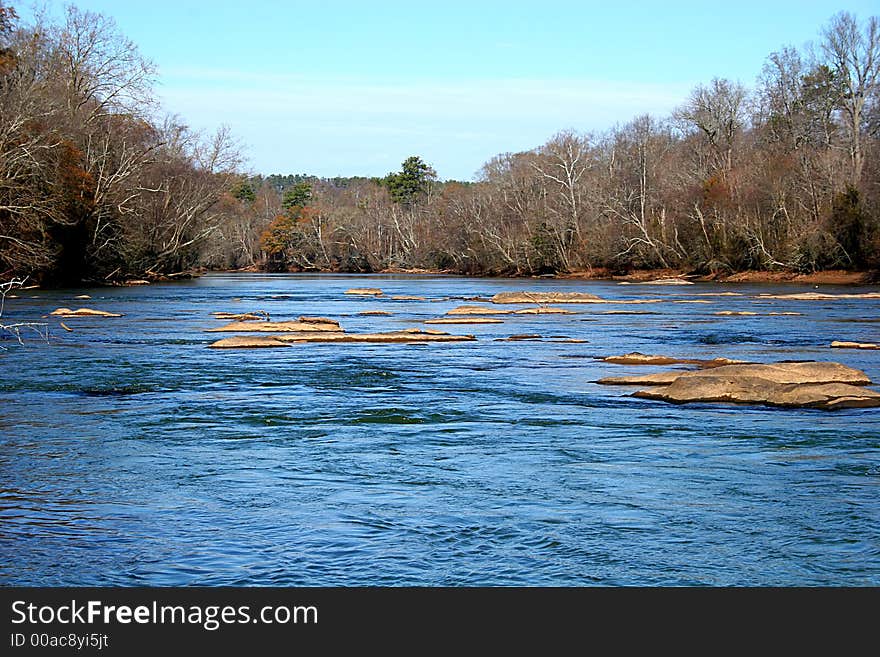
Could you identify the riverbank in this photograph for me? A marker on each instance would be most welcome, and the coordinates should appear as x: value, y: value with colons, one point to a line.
x: 829, y: 277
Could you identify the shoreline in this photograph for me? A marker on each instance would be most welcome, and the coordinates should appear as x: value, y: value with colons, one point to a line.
x: 829, y: 277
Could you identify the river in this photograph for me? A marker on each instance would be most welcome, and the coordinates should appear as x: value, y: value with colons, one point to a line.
x: 132, y: 454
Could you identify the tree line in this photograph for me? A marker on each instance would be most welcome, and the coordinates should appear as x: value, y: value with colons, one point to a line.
x: 785, y: 175
x: 93, y: 186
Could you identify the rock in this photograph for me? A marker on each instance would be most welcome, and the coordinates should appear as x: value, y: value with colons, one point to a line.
x: 365, y: 291
x: 819, y: 296
x: 563, y: 297
x: 785, y: 313
x: 572, y: 341
x: 660, y: 281
x: 83, y: 312
x: 477, y: 310
x: 374, y: 312
x: 656, y: 379
x: 794, y: 372
x: 543, y: 310
x: 65, y: 326
x: 734, y: 312
x: 318, y: 320
x: 838, y: 344
x: 811, y: 384
x: 407, y: 336
x: 545, y: 297
x: 243, y: 317
x: 277, y: 327
x: 83, y: 296
x: 636, y: 358
x: 406, y: 297
x: 756, y: 390
x: 136, y: 281
x: 247, y: 342
x: 464, y: 320
x: 690, y: 301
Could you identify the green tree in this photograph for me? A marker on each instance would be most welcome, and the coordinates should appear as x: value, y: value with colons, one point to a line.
x: 297, y: 197
x: 406, y: 185
x: 244, y: 192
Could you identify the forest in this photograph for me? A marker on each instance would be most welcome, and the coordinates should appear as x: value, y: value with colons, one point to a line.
x: 97, y: 185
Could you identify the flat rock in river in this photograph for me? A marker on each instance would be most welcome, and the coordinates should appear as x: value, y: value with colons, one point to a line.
x: 477, y: 310
x: 365, y: 291
x: 247, y: 342
x: 546, y: 297
x: 757, y: 390
x: 83, y: 312
x: 463, y: 320
x: 277, y: 327
x: 841, y: 344
x: 406, y: 336
x: 543, y: 310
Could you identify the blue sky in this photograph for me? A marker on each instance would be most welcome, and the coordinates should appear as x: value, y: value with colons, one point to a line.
x: 353, y: 88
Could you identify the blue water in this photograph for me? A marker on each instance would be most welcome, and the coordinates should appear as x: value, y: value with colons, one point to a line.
x: 132, y: 454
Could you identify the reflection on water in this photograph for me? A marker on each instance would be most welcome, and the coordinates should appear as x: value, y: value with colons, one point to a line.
x: 132, y: 454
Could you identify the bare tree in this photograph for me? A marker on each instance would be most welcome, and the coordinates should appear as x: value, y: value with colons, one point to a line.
x: 16, y: 328
x: 854, y: 55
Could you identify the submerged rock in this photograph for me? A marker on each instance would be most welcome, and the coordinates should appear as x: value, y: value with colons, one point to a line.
x: 247, y: 342
x: 277, y: 327
x: 735, y: 312
x: 83, y: 312
x: 365, y: 291
x: 841, y: 344
x: 374, y: 313
x: 82, y: 296
x: 407, y: 297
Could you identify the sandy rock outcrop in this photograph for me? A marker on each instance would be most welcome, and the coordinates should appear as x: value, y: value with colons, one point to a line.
x: 757, y: 390
x: 83, y: 312
x: 242, y: 317
x: 247, y: 342
x: 463, y: 320
x: 842, y: 344
x: 478, y: 310
x: 365, y: 291
x: 812, y: 384
x: 637, y: 358
x: 277, y: 327
x: 546, y: 297
x: 405, y: 336
x: 543, y: 310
